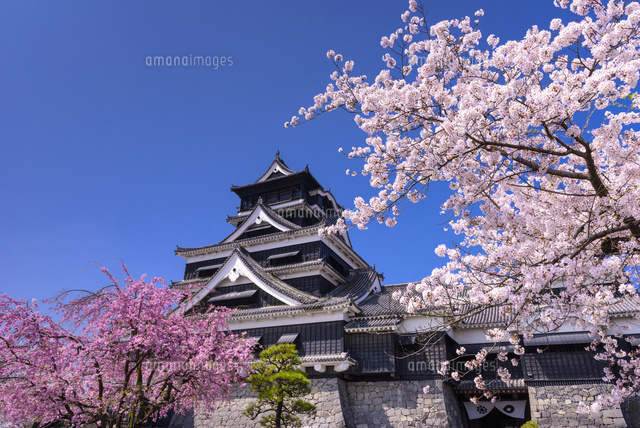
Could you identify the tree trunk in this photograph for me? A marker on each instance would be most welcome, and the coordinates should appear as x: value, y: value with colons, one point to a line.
x: 278, y: 414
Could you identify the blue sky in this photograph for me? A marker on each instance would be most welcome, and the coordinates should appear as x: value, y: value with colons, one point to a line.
x: 104, y: 158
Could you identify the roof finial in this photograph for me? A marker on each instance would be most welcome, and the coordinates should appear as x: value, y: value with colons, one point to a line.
x: 278, y: 154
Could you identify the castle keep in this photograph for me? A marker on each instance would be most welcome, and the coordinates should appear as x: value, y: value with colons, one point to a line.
x: 369, y: 359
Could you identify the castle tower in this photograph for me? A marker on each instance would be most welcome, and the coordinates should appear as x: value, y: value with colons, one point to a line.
x: 288, y: 284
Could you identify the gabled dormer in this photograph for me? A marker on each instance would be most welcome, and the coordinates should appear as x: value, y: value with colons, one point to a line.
x: 239, y: 265
x: 262, y: 221
x: 296, y: 196
x: 277, y: 169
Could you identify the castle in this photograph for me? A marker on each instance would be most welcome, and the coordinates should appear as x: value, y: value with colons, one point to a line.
x: 368, y: 359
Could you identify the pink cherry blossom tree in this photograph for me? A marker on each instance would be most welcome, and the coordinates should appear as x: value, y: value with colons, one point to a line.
x: 538, y: 139
x: 117, y: 357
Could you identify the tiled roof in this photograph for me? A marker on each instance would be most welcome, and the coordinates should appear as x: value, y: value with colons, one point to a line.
x: 236, y: 220
x: 561, y: 366
x: 268, y: 180
x: 274, y: 282
x: 558, y: 339
x: 495, y: 385
x: 232, y: 295
x: 185, y: 282
x: 287, y: 268
x: 378, y: 311
x: 278, y: 218
x: 328, y: 358
x: 269, y: 311
x: 383, y: 303
x: 488, y: 317
x: 298, y: 231
x: 326, y: 192
x: 495, y: 315
x: 296, y: 266
x: 626, y: 306
x: 270, y: 280
x: 280, y: 163
x: 491, y: 348
x: 275, y: 217
x: 358, y: 284
x: 360, y: 324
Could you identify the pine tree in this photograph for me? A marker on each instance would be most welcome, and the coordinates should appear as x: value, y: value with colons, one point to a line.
x: 279, y: 382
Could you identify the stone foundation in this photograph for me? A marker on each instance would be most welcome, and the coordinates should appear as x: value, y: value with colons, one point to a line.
x: 555, y: 406
x: 354, y: 405
x: 402, y: 404
x: 325, y: 395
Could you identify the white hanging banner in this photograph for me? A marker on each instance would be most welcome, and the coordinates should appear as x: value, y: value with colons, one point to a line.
x: 476, y: 411
x: 515, y: 409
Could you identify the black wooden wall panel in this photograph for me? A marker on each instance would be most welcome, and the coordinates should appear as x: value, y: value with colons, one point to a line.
x: 374, y: 352
x: 313, y: 339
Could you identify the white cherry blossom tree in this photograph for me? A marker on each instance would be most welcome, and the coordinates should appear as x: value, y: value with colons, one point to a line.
x: 538, y: 139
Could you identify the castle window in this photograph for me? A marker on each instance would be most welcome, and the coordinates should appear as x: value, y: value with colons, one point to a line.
x: 336, y: 265
x: 285, y: 194
x: 234, y: 295
x: 258, y: 231
x: 288, y: 338
x: 284, y: 258
x: 272, y: 197
x: 207, y: 271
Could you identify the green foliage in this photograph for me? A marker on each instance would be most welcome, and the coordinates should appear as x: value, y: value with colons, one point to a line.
x: 279, y: 382
x: 530, y: 424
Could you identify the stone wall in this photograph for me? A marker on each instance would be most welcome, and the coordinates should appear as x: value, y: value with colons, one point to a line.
x: 325, y: 395
x: 555, y: 406
x: 398, y: 404
x: 402, y: 404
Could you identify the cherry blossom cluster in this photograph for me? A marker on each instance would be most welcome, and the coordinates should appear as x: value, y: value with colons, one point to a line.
x: 120, y: 354
x: 538, y: 139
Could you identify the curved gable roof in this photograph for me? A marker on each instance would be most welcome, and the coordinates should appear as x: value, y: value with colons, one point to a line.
x: 361, y: 283
x: 277, y: 166
x: 261, y: 213
x: 239, y: 263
